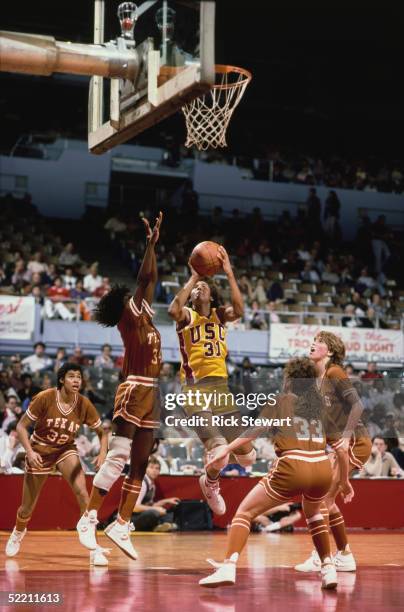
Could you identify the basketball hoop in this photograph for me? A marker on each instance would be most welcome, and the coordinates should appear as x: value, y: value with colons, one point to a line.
x: 208, y: 116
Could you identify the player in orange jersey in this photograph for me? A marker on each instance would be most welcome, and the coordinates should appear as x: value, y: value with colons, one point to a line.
x: 56, y: 415
x: 300, y: 434
x: 136, y: 411
x: 344, y: 408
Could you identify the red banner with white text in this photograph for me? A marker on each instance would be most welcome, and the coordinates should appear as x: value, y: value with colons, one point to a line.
x: 362, y: 345
x: 17, y: 317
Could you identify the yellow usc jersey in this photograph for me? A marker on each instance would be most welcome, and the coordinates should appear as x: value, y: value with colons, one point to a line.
x: 203, y: 347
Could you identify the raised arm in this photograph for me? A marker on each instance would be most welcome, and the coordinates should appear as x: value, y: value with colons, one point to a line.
x: 176, y: 309
x: 236, y: 310
x: 147, y: 275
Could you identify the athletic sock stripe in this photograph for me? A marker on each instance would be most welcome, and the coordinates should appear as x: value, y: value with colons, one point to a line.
x: 319, y: 530
x: 234, y: 524
x: 241, y: 520
x: 335, y: 524
x: 23, y: 520
x: 130, y: 488
x: 316, y: 533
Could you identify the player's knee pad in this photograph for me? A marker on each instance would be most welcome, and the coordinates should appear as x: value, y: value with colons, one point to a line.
x: 248, y: 459
x: 111, y: 469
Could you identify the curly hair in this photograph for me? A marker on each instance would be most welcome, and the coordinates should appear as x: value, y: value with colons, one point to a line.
x: 301, y: 375
x: 334, y: 345
x: 109, y: 309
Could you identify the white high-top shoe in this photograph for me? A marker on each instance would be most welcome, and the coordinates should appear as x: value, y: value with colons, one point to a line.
x: 86, y: 528
x: 14, y: 542
x: 97, y: 556
x: 120, y: 535
x: 344, y: 562
x: 212, y: 495
x: 312, y: 564
x: 225, y: 574
x: 329, y: 578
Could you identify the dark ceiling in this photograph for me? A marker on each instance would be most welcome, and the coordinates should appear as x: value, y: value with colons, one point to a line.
x: 327, y: 75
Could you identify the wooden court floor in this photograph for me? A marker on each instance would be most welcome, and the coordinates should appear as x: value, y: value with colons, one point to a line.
x: 165, y: 577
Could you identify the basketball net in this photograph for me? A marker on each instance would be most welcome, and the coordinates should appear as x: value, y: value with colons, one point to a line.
x: 208, y: 116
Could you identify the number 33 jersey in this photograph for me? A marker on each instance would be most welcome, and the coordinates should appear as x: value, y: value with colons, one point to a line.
x: 56, y: 425
x: 299, y: 432
x: 203, y: 347
x: 141, y: 340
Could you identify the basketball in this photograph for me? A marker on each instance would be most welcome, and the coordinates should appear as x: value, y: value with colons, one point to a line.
x: 204, y: 258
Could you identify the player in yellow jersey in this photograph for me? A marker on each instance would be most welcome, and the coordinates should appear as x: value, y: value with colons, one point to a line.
x: 202, y: 339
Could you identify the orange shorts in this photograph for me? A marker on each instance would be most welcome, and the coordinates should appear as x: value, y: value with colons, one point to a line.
x: 136, y: 401
x: 296, y: 472
x: 359, y: 451
x: 51, y: 458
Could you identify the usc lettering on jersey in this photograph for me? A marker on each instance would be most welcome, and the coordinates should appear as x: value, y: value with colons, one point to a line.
x: 203, y: 347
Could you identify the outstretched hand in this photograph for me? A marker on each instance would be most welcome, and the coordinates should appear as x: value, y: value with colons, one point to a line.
x: 223, y: 257
x: 153, y: 234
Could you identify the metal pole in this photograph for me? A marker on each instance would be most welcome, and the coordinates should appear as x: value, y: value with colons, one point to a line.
x: 43, y: 55
x: 164, y: 49
x: 97, y: 81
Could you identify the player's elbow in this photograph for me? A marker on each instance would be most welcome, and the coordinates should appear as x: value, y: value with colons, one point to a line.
x: 20, y: 428
x: 238, y: 311
x: 174, y: 310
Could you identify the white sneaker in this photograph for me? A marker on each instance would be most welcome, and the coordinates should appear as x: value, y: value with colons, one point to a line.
x: 225, y: 574
x: 120, y: 534
x: 86, y: 528
x: 329, y: 578
x: 14, y: 542
x: 344, y: 562
x: 97, y: 556
x: 312, y: 564
x: 212, y: 495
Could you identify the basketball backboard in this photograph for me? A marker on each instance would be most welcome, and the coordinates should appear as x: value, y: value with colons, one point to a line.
x: 173, y: 42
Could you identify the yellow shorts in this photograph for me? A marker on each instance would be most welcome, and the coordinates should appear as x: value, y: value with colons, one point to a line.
x: 209, y: 395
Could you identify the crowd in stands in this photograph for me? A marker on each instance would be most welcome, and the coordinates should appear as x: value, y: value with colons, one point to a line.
x: 270, y: 163
x: 293, y: 269
x: 334, y: 171
x: 35, y: 262
x: 180, y: 452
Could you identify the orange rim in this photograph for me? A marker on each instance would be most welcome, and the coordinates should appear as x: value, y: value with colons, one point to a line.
x: 225, y: 69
